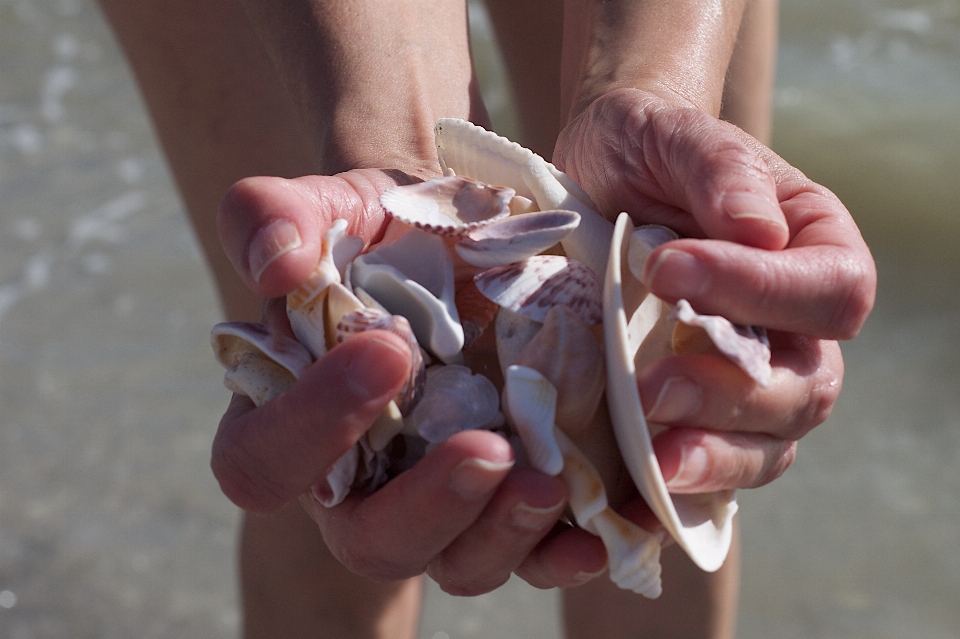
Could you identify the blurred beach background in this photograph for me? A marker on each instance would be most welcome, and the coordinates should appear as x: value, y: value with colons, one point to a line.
x: 111, y: 524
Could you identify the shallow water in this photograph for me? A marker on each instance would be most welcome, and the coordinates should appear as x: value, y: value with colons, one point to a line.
x: 110, y: 522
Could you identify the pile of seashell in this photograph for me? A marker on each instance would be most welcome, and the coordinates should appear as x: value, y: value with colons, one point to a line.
x: 572, y: 323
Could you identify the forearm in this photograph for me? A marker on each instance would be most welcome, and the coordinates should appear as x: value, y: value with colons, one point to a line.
x: 677, y: 49
x: 371, y: 77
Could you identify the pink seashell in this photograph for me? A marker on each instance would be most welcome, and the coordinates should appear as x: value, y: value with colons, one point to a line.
x: 516, y: 238
x: 476, y: 312
x: 532, y: 287
x: 450, y: 206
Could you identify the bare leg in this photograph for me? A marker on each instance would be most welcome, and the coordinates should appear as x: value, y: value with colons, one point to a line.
x: 221, y: 115
x: 530, y: 34
x: 748, y: 94
x: 694, y: 604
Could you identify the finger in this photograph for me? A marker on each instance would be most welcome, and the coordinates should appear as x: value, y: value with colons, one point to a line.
x: 271, y: 228
x: 398, y: 530
x: 525, y: 508
x: 825, y: 290
x: 663, y: 164
x: 700, y: 461
x: 711, y: 392
x: 265, y: 457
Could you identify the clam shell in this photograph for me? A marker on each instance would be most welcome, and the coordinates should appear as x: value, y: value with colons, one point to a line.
x: 516, y: 238
x: 448, y: 205
x: 643, y: 241
x: 413, y: 277
x: 532, y: 287
x: 701, y: 524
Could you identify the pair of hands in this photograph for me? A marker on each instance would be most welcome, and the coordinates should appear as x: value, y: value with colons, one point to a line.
x: 768, y: 247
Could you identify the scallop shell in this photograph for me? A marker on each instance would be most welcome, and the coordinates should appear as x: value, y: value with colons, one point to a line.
x: 516, y: 238
x: 701, y: 524
x: 449, y: 206
x: 532, y: 287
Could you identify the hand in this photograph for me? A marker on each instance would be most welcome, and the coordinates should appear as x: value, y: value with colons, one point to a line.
x: 463, y: 514
x: 774, y: 249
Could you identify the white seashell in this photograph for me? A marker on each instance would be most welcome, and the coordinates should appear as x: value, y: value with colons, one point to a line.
x: 413, y: 277
x: 513, y: 332
x: 454, y: 399
x: 532, y: 287
x: 448, y: 205
x: 701, y: 524
x: 516, y: 238
x: 746, y: 346
x: 260, y: 363
x: 530, y: 401
x: 472, y: 151
x: 643, y: 241
x: 305, y: 304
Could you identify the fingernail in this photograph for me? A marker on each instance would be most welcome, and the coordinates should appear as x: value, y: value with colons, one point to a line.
x: 643, y: 242
x: 747, y: 205
x: 678, y: 274
x: 692, y: 469
x: 679, y: 398
x: 376, y: 369
x: 584, y: 577
x: 528, y: 517
x: 475, y: 478
x: 270, y: 243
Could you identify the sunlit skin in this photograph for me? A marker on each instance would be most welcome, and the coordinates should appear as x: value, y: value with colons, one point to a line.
x: 349, y: 88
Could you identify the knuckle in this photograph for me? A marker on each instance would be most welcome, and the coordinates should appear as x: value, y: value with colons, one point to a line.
x: 857, y: 279
x: 776, y: 464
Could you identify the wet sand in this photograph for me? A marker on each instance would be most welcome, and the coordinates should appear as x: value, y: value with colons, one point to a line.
x: 111, y: 524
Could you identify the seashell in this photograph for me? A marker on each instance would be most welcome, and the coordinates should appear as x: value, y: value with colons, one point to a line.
x: 531, y: 287
x: 513, y: 333
x: 633, y: 554
x: 701, y: 524
x: 746, y: 346
x: 565, y: 352
x: 472, y: 151
x: 449, y: 206
x: 454, y: 399
x: 305, y: 304
x: 530, y: 402
x: 413, y: 277
x: 516, y: 238
x: 260, y: 363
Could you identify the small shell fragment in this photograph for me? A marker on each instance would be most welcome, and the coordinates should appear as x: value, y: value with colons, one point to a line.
x: 746, y: 346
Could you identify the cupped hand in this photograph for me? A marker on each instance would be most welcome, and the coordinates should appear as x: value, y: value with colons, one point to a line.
x: 771, y: 248
x: 463, y: 514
